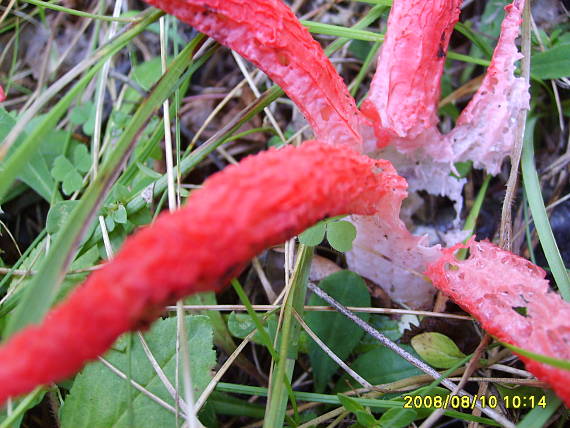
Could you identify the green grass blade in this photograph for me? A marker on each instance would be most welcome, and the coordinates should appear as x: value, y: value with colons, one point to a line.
x: 349, y: 33
x: 280, y: 382
x: 539, y: 215
x: 554, y: 362
x: 538, y: 416
x: 80, y: 13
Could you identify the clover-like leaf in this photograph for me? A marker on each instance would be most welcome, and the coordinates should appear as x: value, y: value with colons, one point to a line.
x: 340, y: 235
x: 81, y: 158
x: 72, y: 182
x: 61, y: 167
x: 81, y: 113
x: 314, y: 235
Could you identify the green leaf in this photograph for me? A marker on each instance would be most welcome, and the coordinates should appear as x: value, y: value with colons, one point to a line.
x: 313, y: 236
x: 350, y: 404
x: 72, y: 182
x: 6, y: 123
x: 37, y: 176
x: 240, y: 325
x: 366, y: 419
x: 340, y: 235
x: 81, y: 113
x: 58, y: 215
x: 81, y: 157
x: 338, y: 332
x: 120, y: 214
x: 89, y: 126
x: 398, y: 418
x: 121, y: 193
x: 339, y: 31
x: 553, y: 63
x: 362, y: 414
x: 61, y: 167
x: 391, y: 369
x: 463, y: 168
x: 35, y: 173
x: 147, y: 73
x: 100, y: 399
x: 389, y: 327
x: 437, y: 349
x: 109, y: 223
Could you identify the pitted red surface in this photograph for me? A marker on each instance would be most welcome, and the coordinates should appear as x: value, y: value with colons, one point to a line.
x: 240, y: 211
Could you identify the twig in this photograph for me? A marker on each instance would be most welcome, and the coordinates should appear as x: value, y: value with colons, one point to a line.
x: 261, y: 308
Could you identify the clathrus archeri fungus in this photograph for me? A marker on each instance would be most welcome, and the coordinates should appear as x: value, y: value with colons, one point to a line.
x: 281, y: 192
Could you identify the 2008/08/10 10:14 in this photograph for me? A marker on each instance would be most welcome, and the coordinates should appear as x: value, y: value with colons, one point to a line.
x: 469, y: 402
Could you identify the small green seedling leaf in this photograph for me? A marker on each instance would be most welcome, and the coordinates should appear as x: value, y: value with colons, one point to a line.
x: 81, y: 113
x: 81, y: 158
x: 109, y: 223
x: 72, y: 182
x: 437, y: 349
x: 313, y: 236
x: 398, y: 418
x: 121, y: 193
x: 362, y: 414
x: 350, y: 404
x: 240, y: 325
x: 120, y: 215
x: 340, y: 235
x: 463, y: 168
x: 553, y: 63
x: 61, y: 167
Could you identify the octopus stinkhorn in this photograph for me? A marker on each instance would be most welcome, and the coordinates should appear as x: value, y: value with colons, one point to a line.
x: 279, y: 193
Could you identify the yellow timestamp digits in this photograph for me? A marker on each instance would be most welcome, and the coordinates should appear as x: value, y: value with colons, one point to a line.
x: 469, y: 402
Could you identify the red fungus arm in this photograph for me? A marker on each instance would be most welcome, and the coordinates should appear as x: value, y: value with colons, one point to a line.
x: 2, y: 95
x: 406, y: 87
x: 486, y: 129
x: 267, y: 33
x: 240, y: 211
x: 491, y: 285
